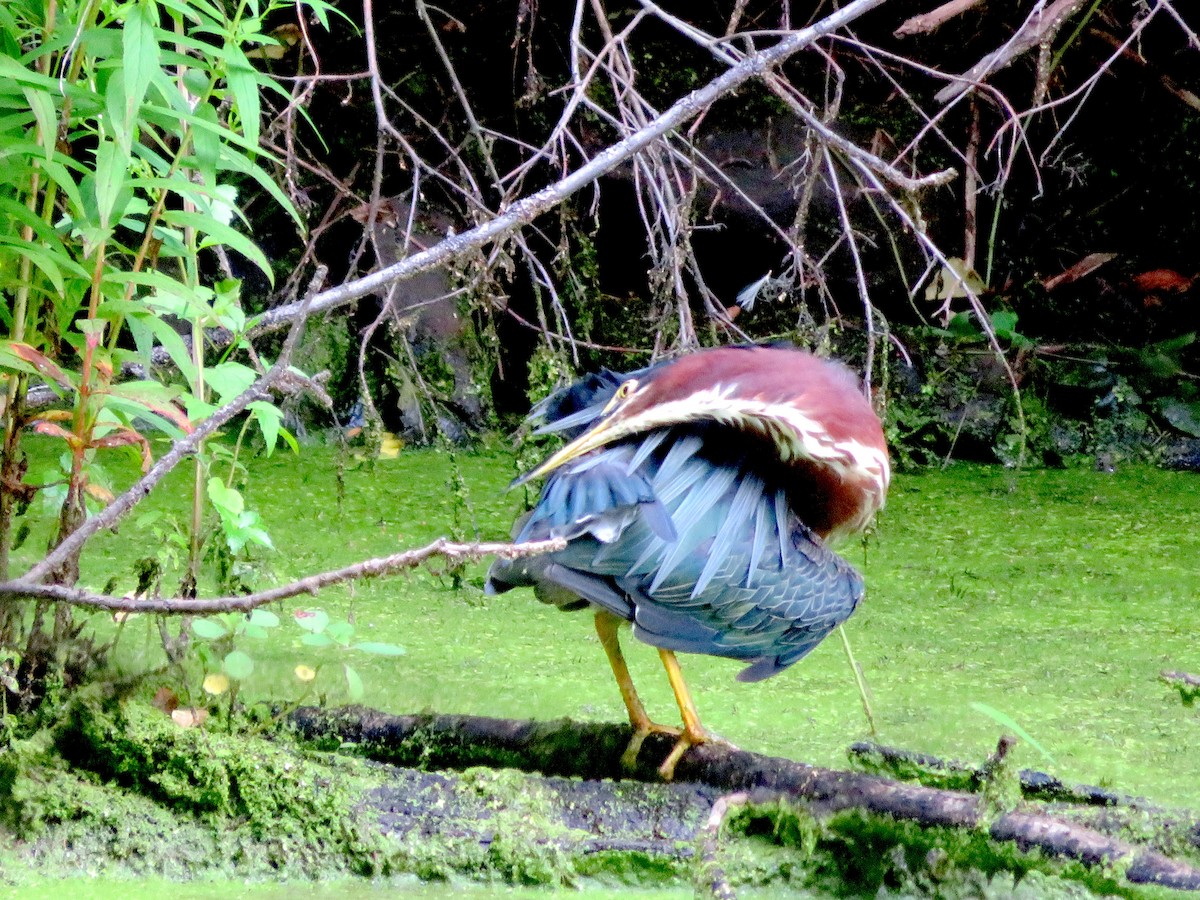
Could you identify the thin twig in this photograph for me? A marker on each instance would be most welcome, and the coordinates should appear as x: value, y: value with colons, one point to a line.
x: 525, y: 210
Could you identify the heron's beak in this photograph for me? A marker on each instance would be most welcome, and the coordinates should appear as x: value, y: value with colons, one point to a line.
x: 598, y: 436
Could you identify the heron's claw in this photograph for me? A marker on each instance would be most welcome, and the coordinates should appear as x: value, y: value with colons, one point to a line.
x: 641, y: 731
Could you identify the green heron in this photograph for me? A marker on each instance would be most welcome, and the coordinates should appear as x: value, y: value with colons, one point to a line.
x: 696, y: 497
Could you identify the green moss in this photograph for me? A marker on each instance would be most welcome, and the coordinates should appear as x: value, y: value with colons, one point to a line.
x: 857, y: 854
x: 126, y: 782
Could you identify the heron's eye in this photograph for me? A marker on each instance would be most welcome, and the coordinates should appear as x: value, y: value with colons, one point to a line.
x: 626, y: 389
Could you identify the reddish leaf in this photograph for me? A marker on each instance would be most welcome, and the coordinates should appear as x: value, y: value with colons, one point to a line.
x: 152, y: 397
x: 40, y: 361
x: 1085, y: 266
x: 123, y: 438
x: 165, y: 699
x: 49, y: 428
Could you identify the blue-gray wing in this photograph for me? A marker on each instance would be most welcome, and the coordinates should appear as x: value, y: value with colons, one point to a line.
x: 696, y: 550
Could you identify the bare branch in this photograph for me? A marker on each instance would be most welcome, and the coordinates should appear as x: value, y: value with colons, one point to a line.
x: 934, y: 19
x: 525, y: 210
x: 1041, y: 26
x: 371, y: 568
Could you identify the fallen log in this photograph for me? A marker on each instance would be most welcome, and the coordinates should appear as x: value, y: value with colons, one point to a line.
x: 593, y: 751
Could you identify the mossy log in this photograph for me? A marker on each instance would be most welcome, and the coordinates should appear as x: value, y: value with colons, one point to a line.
x: 593, y: 751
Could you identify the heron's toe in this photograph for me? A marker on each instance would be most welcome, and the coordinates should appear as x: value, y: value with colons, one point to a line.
x: 640, y: 733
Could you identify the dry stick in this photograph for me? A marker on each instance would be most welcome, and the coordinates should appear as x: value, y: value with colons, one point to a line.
x: 1040, y: 26
x: 182, y: 448
x: 934, y: 19
x: 529, y: 208
x: 371, y: 568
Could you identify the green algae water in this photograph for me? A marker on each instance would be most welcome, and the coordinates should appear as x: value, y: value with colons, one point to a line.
x: 1054, y: 597
x: 1051, y: 599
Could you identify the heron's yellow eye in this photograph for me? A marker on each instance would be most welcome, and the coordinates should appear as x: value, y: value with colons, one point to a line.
x: 627, y: 388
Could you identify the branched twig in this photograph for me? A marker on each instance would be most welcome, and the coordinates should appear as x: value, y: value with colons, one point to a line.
x: 371, y: 568
x: 1041, y: 26
x: 525, y: 210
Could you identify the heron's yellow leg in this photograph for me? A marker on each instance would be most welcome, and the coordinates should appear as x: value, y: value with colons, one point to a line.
x: 693, y: 731
x: 606, y: 627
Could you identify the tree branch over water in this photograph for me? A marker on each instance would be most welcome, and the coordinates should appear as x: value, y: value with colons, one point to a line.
x: 371, y: 568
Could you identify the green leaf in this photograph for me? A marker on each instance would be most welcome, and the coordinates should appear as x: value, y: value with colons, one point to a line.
x: 1184, y: 416
x: 207, y: 144
x: 229, y: 379
x: 316, y: 640
x: 264, y: 618
x: 340, y: 632
x: 172, y: 342
x: 42, y: 105
x: 112, y: 195
x: 208, y: 629
x: 354, y: 684
x: 227, y: 500
x: 238, y: 665
x: 243, y: 84
x: 1008, y: 722
x: 380, y: 649
x: 219, y: 233
x: 314, y: 620
x: 140, y: 56
x: 268, y: 418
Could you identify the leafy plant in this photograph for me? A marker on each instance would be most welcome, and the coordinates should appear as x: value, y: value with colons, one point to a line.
x: 126, y: 131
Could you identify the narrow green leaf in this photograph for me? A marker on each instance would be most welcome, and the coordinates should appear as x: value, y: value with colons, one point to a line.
x: 243, y: 84
x: 354, y: 684
x: 111, y: 165
x: 42, y: 105
x: 171, y: 341
x: 219, y: 233
x: 238, y: 665
x: 1008, y: 722
x: 140, y: 55
x: 207, y: 145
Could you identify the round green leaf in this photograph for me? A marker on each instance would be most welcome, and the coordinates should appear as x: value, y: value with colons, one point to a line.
x: 264, y: 618
x: 238, y: 665
x: 316, y: 639
x: 354, y: 684
x: 380, y: 649
x: 313, y: 620
x: 340, y: 632
x: 208, y: 629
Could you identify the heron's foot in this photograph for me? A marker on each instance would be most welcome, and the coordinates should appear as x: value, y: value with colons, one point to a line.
x: 688, y: 738
x: 641, y: 731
